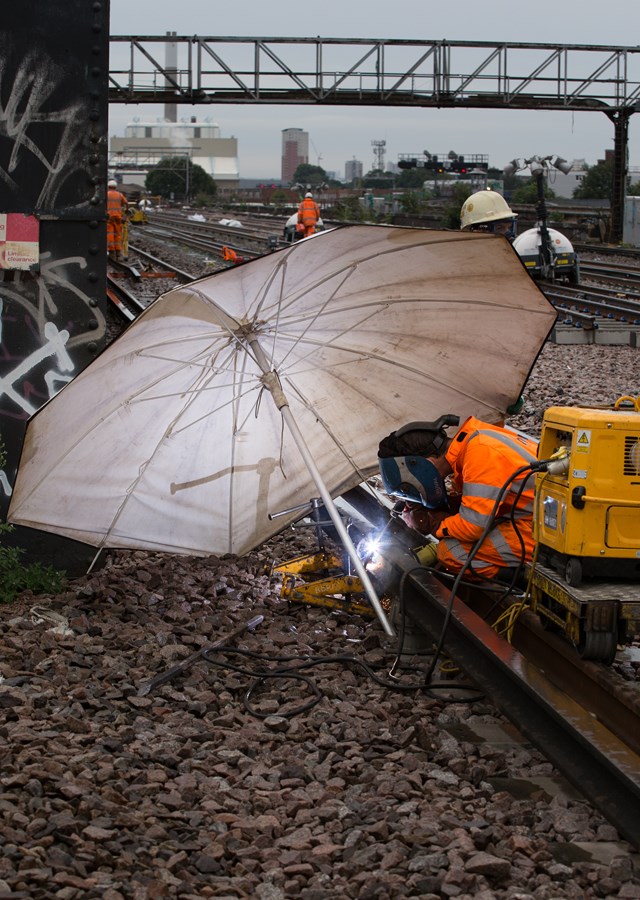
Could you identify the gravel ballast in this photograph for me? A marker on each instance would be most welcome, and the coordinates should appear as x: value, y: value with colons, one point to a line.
x: 191, y: 792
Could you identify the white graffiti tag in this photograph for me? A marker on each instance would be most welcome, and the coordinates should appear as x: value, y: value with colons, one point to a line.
x: 55, y: 346
x: 5, y: 484
x: 32, y: 87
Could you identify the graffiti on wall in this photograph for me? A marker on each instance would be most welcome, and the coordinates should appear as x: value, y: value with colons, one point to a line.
x: 51, y: 154
x: 53, y: 127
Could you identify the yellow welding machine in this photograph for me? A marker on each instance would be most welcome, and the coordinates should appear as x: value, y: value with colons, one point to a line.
x: 587, y: 514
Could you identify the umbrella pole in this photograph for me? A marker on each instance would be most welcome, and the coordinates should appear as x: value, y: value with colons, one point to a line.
x: 272, y: 382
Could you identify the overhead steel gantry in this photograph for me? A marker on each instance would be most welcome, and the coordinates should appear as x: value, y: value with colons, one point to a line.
x: 371, y: 72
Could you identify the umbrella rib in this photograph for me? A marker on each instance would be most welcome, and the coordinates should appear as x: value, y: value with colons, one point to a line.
x: 352, y: 267
x: 383, y: 304
x: 143, y: 467
x: 309, y: 406
x: 379, y: 358
x: 312, y: 320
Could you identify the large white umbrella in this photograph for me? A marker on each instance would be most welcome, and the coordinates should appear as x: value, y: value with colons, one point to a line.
x: 251, y: 391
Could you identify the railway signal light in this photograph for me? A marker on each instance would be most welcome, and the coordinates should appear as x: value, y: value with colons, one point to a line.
x: 458, y: 165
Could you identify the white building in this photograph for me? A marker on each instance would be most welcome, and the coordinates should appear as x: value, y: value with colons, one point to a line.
x: 145, y: 143
x: 564, y: 185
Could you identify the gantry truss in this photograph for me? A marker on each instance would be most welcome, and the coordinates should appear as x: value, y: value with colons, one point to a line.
x: 174, y: 69
x: 374, y: 72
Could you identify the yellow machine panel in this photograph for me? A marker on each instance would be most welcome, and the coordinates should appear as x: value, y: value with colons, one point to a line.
x: 587, y: 517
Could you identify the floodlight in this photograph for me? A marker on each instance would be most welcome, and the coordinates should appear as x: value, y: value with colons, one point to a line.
x: 427, y: 154
x: 452, y: 154
x: 559, y: 163
x: 536, y: 166
x: 514, y: 166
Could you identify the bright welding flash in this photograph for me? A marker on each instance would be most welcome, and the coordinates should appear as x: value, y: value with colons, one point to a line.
x: 372, y: 546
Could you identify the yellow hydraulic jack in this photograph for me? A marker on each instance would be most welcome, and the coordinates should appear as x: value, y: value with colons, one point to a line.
x: 319, y: 579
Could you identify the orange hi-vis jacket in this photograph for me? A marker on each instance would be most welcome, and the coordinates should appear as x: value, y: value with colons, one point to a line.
x: 116, y: 209
x: 483, y: 457
x: 308, y: 212
x: 116, y: 204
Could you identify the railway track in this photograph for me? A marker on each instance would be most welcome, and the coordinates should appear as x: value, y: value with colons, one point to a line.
x: 583, y: 717
x: 591, y: 306
x: 211, y: 237
x: 134, y: 283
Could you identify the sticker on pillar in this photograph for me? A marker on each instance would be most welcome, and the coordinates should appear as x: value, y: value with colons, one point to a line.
x: 19, y: 242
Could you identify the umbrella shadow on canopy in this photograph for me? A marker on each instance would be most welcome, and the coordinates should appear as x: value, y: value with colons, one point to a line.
x: 254, y: 389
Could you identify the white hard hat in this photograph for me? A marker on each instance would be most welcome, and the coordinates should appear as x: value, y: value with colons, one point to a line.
x: 112, y: 183
x: 483, y: 207
x: 308, y: 194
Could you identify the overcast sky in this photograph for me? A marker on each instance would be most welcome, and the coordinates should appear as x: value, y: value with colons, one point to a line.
x: 342, y: 133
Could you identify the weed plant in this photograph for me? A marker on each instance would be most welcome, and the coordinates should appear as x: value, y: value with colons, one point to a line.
x: 16, y: 576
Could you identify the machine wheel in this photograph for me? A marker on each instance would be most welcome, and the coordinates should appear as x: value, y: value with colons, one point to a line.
x: 600, y: 646
x: 573, y: 572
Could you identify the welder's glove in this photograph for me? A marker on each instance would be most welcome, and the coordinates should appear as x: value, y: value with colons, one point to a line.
x: 416, y: 516
x: 427, y: 555
x: 426, y: 521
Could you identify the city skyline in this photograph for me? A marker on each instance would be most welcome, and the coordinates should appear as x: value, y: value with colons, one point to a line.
x: 340, y: 133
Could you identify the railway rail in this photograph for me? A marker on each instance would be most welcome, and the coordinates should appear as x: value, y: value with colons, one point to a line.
x: 616, y: 275
x: 578, y: 713
x: 592, y: 307
x: 212, y: 237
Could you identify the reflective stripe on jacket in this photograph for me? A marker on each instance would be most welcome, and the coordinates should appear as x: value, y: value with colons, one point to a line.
x: 483, y: 457
x: 116, y: 204
x: 308, y: 212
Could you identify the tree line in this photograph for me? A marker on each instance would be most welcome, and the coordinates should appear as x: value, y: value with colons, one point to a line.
x: 177, y: 177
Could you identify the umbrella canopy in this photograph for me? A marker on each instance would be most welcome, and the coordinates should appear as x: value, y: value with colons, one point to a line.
x: 171, y: 441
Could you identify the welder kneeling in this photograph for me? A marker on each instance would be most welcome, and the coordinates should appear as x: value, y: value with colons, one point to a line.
x: 473, y: 492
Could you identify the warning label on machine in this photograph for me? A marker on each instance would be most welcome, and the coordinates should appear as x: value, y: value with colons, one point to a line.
x: 583, y: 440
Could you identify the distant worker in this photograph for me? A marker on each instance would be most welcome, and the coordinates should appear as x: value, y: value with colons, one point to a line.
x: 488, y: 211
x: 231, y: 256
x: 116, y: 212
x: 308, y: 214
x: 490, y: 496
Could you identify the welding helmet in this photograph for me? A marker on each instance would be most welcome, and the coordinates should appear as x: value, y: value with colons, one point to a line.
x: 415, y: 479
x: 484, y: 210
x: 405, y: 471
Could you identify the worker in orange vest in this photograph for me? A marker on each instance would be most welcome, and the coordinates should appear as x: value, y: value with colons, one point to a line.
x: 231, y: 256
x: 490, y: 496
x: 308, y: 214
x: 116, y: 211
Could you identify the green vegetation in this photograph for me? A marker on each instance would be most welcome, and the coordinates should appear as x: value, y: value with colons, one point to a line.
x: 177, y: 177
x: 15, y: 576
x: 597, y: 182
x: 306, y: 174
x: 412, y: 203
x: 528, y: 193
x: 451, y: 212
x: 351, y: 210
x: 413, y: 178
